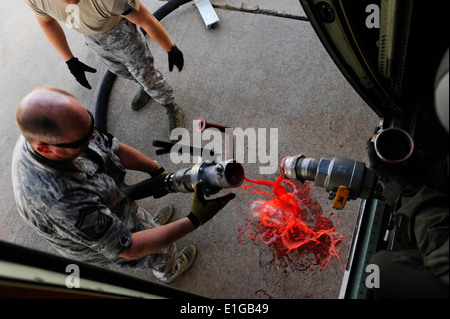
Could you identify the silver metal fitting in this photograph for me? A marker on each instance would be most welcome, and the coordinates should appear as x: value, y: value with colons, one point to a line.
x: 212, y: 176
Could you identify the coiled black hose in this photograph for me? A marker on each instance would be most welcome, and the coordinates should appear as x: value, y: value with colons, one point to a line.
x: 101, y: 106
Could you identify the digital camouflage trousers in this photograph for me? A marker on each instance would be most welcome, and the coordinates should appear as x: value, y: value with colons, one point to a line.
x: 125, y: 52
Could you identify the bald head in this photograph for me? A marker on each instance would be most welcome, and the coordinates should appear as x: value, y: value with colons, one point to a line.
x: 48, y: 114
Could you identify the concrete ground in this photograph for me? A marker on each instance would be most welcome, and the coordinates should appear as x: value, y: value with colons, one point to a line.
x: 252, y: 71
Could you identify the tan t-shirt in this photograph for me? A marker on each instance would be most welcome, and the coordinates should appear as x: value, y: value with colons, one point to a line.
x: 90, y: 17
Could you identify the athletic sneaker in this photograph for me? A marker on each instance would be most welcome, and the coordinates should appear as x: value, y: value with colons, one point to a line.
x: 163, y: 215
x: 185, y: 259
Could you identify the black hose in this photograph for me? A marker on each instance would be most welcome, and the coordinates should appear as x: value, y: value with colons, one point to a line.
x: 101, y: 106
x: 170, y: 6
x: 102, y: 100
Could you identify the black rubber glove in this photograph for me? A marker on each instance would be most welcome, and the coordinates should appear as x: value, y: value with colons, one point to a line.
x: 203, y: 210
x: 175, y: 58
x: 77, y: 69
x: 150, y: 187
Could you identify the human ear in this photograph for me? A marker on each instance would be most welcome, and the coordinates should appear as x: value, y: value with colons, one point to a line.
x: 43, y: 148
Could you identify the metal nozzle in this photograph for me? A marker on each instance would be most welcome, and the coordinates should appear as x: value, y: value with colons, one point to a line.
x: 331, y: 174
x: 213, y: 176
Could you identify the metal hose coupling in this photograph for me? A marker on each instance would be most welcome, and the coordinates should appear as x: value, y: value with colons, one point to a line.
x: 212, y: 176
x: 343, y: 178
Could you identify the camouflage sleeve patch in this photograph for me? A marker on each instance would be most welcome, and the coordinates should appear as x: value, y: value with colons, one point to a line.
x: 93, y: 223
x: 101, y: 231
x: 134, y: 4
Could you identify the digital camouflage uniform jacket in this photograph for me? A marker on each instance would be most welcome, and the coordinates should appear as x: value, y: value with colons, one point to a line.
x: 78, y: 207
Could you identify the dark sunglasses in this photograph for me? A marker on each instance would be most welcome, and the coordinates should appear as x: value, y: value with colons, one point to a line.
x: 80, y: 142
